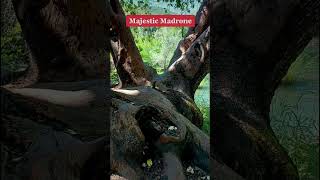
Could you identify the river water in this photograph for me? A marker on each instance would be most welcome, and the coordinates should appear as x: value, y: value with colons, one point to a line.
x: 295, y: 112
x: 294, y: 108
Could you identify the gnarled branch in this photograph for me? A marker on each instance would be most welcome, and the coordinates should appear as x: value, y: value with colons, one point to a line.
x: 202, y: 23
x: 186, y: 73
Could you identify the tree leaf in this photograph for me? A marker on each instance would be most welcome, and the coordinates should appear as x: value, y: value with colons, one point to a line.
x: 149, y: 162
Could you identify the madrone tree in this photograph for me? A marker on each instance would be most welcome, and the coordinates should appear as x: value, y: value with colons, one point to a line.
x: 61, y: 119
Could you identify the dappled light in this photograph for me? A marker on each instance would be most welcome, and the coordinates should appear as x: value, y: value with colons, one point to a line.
x: 127, y: 92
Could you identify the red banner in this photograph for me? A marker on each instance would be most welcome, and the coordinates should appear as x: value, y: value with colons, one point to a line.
x: 160, y: 21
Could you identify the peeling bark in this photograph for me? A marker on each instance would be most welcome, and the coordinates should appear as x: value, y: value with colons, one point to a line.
x: 186, y: 73
x: 202, y: 23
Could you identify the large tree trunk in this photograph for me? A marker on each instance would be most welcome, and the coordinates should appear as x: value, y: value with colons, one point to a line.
x: 57, y: 126
x: 254, y: 45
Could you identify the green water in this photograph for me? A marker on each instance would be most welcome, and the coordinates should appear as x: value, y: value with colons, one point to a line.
x: 295, y: 115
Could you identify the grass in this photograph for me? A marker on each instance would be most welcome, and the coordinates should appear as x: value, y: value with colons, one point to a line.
x: 302, y: 68
x: 299, y: 135
x: 202, y: 99
x: 294, y: 112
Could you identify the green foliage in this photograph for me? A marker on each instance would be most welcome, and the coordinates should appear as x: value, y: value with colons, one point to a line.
x: 113, y: 73
x: 202, y: 99
x: 139, y: 7
x: 183, y: 5
x: 306, y: 156
x: 297, y: 133
x: 157, y: 45
x: 135, y: 7
x: 13, y: 54
x: 302, y: 68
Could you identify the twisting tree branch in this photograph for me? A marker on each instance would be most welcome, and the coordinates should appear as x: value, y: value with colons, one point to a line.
x: 186, y: 73
x: 126, y: 56
x: 202, y: 22
x: 190, y: 62
x: 188, y: 66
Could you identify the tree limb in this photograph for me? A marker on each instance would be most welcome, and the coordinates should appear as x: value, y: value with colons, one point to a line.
x: 68, y: 40
x: 190, y: 62
x: 202, y: 23
x: 126, y: 56
x: 186, y: 73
